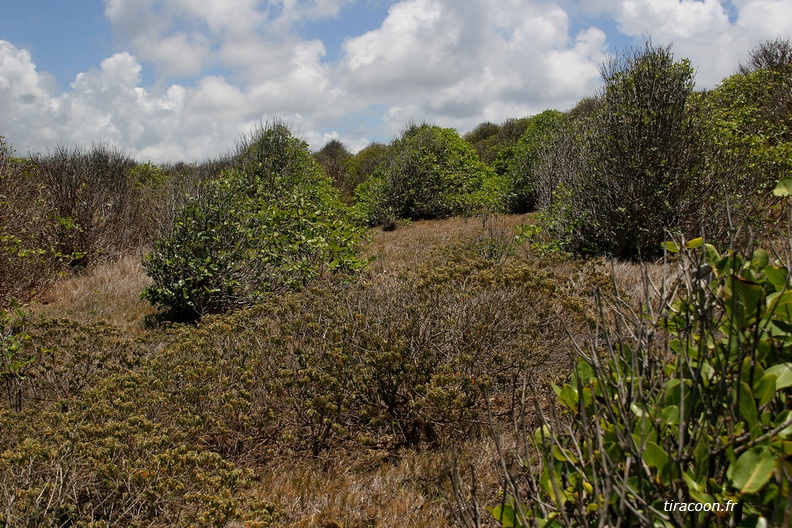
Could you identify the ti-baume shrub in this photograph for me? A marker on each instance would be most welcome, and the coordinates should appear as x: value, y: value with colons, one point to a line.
x: 270, y: 223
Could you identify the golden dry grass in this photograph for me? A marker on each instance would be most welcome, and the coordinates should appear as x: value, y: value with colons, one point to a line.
x: 413, y: 242
x: 366, y: 489
x: 109, y: 292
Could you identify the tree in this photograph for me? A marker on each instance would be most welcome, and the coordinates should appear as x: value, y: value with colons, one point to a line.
x: 429, y: 172
x: 643, y: 152
x: 522, y: 179
x: 334, y: 159
x: 750, y: 117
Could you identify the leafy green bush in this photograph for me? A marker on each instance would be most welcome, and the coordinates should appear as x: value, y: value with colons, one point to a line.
x: 272, y: 223
x: 335, y: 159
x: 749, y: 116
x: 496, y: 144
x: 691, y: 406
x: 430, y: 172
x: 640, y: 171
x: 522, y: 181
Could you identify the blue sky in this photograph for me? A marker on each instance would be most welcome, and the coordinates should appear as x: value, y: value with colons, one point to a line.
x: 182, y: 80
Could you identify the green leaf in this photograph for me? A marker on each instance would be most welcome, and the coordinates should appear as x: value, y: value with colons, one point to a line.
x: 782, y: 373
x: 671, y: 415
x: 747, y: 404
x: 783, y: 187
x: 655, y: 456
x: 747, y: 302
x: 781, y: 306
x: 760, y: 260
x: 505, y: 515
x: 777, y: 276
x: 753, y: 469
x: 671, y: 247
x: 695, y: 243
x: 765, y: 388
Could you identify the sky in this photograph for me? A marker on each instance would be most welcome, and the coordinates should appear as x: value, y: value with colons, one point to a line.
x: 185, y: 80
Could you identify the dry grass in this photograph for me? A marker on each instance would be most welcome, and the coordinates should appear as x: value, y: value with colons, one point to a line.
x: 347, y: 489
x: 356, y: 490
x: 108, y: 292
x: 413, y: 242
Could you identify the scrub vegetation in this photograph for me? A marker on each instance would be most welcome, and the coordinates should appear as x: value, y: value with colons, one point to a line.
x: 568, y: 319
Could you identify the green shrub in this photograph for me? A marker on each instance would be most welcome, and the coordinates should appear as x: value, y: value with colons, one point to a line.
x: 639, y: 170
x: 106, y: 462
x: 430, y: 172
x: 749, y: 116
x: 272, y: 223
x: 495, y: 144
x: 335, y: 159
x: 691, y: 406
x: 522, y: 180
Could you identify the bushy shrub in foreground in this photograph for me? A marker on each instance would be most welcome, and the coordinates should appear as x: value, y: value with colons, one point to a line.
x: 273, y: 222
x: 429, y: 172
x: 690, y: 407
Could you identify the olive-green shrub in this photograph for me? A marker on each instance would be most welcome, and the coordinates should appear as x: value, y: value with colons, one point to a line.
x: 749, y: 116
x: 429, y: 172
x: 273, y: 222
x: 687, y: 407
x: 522, y: 180
x: 639, y: 162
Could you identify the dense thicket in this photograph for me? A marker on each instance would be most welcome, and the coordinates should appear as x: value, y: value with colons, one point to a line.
x: 642, y: 172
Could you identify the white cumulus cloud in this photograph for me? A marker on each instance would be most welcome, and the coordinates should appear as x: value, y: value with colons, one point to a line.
x: 192, y: 76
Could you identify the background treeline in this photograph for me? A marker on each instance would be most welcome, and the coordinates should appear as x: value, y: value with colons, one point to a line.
x: 309, y: 343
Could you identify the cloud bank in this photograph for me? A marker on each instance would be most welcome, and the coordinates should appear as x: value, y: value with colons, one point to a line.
x: 217, y: 71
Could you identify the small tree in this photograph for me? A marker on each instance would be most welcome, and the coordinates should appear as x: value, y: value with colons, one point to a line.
x: 537, y: 141
x: 272, y: 223
x: 643, y: 159
x: 334, y: 159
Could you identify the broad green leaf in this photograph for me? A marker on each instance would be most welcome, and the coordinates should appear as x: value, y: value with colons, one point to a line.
x: 712, y: 255
x: 671, y: 415
x: 695, y: 243
x: 765, y: 388
x: 782, y: 373
x: 747, y: 404
x: 564, y: 455
x: 777, y: 276
x: 783, y: 187
x: 671, y: 247
x: 759, y: 260
x: 655, y: 456
x: 753, y: 469
x: 747, y: 301
x: 781, y: 306
x: 569, y: 397
x: 505, y: 515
